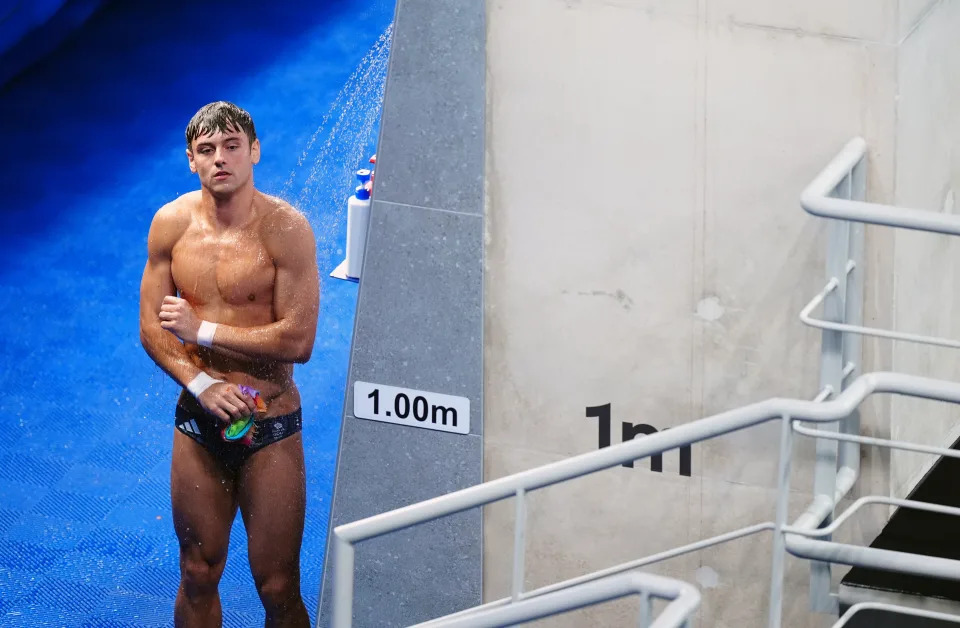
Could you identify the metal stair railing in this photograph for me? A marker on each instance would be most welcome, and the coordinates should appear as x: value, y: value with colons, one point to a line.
x: 893, y: 608
x: 519, y: 484
x: 684, y: 599
x: 837, y: 193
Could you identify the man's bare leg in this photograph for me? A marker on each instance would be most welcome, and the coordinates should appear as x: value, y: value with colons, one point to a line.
x: 272, y: 491
x: 204, y: 500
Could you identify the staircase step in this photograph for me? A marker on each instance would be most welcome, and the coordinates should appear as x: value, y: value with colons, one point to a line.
x: 918, y: 532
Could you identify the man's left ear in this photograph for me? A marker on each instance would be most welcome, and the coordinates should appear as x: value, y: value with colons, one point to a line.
x: 255, y: 151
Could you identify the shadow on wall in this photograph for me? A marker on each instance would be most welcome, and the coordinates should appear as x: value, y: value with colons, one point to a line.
x: 32, y: 29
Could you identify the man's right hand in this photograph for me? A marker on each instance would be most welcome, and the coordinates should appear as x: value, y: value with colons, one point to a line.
x: 226, y: 401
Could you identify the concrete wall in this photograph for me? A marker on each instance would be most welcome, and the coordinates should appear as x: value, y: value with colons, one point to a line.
x: 645, y: 248
x: 927, y: 177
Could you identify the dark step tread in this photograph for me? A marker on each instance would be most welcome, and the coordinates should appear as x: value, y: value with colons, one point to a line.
x: 919, y: 532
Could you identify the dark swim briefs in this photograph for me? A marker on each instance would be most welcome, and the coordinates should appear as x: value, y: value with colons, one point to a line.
x: 205, y: 429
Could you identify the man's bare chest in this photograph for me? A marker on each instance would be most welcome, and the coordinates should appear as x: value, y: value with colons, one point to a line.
x: 236, y: 270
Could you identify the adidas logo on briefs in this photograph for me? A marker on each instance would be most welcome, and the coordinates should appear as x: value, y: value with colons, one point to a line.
x: 190, y: 427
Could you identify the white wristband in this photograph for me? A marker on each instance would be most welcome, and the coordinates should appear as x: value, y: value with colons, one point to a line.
x: 205, y: 333
x: 200, y: 383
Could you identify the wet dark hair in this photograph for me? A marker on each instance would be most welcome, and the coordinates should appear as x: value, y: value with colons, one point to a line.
x: 220, y: 116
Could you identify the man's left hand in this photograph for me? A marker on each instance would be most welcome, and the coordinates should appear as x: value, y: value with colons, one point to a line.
x: 177, y: 316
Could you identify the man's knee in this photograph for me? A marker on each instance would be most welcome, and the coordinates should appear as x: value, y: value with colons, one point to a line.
x: 200, y: 577
x: 279, y: 591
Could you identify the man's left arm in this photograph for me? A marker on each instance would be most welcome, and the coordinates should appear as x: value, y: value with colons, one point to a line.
x: 295, y: 302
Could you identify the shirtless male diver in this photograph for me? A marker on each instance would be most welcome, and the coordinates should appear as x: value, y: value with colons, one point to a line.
x: 230, y: 298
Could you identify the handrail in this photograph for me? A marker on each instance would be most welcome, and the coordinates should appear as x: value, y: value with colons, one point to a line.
x: 819, y: 323
x: 688, y: 433
x: 866, y: 557
x: 684, y: 600
x: 881, y: 442
x: 815, y: 200
x: 839, y: 407
x: 892, y: 608
x: 876, y: 499
x: 609, y: 571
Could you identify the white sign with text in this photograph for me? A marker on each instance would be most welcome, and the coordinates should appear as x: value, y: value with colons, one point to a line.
x: 415, y: 408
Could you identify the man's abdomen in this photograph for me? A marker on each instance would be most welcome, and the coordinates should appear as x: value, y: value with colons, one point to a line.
x: 273, y: 380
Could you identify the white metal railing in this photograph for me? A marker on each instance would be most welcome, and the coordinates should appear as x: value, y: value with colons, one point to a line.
x: 786, y: 537
x: 684, y: 599
x: 867, y: 331
x: 837, y: 193
x: 846, y: 176
x: 817, y: 199
x: 891, y: 608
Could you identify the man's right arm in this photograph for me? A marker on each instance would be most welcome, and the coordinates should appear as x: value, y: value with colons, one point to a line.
x: 162, y: 347
x: 223, y: 400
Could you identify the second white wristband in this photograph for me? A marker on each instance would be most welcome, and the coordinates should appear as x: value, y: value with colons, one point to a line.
x: 205, y: 333
x: 200, y: 383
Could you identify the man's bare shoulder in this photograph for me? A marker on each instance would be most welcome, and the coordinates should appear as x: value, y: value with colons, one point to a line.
x: 179, y: 209
x: 286, y: 231
x: 172, y: 220
x: 279, y: 216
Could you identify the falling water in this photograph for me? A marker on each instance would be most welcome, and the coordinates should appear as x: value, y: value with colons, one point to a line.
x: 338, y: 148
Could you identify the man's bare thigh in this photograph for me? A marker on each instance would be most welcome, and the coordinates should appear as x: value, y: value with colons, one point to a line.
x: 204, y: 497
x: 272, y: 496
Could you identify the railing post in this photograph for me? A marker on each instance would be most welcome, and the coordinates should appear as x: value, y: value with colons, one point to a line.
x: 852, y: 343
x: 342, y: 583
x: 519, y: 543
x: 857, y: 191
x: 646, y: 610
x: 831, y: 374
x: 783, y: 506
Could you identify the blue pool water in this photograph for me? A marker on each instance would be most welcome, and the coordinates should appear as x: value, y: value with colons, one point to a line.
x: 93, y: 145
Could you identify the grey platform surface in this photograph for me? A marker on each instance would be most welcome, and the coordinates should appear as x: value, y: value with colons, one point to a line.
x: 419, y: 320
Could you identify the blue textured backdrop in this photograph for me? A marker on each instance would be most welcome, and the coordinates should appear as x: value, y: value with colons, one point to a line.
x: 93, y: 146
x: 30, y: 29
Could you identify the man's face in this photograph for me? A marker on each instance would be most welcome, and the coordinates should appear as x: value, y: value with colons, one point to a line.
x: 223, y: 161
